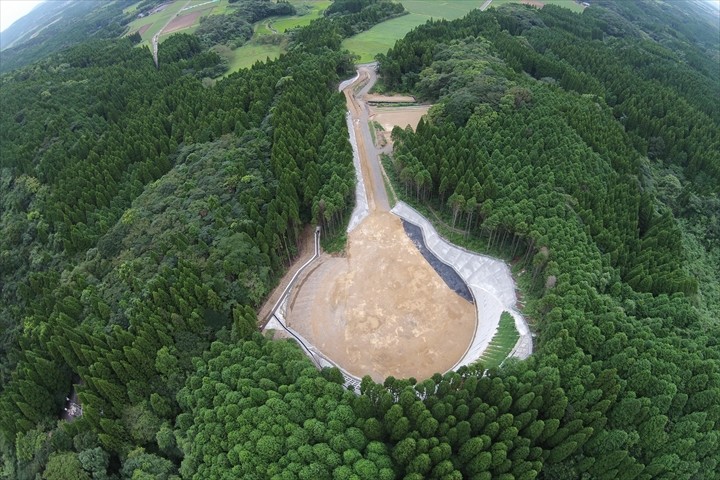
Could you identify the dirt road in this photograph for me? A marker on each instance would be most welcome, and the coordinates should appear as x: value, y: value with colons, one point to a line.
x: 382, y: 309
x: 372, y: 175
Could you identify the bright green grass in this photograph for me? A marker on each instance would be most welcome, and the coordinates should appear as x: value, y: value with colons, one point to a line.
x: 314, y: 10
x: 262, y: 28
x: 569, y: 4
x: 247, y: 55
x: 502, y: 342
x: 383, y: 36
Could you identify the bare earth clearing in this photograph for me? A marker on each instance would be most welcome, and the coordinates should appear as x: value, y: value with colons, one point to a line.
x: 178, y: 23
x: 144, y: 28
x: 389, y: 117
x: 382, y: 309
x: 374, y: 97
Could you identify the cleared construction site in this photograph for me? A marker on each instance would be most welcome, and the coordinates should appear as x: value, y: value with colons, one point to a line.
x: 401, y: 301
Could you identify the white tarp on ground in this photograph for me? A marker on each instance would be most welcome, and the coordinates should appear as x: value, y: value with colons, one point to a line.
x: 489, y: 280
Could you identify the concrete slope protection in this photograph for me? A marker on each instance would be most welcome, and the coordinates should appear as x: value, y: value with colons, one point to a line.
x: 489, y: 280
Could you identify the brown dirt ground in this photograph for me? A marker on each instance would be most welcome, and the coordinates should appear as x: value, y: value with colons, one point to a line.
x: 382, y: 310
x: 178, y: 23
x: 388, y: 117
x: 373, y: 97
x: 144, y: 28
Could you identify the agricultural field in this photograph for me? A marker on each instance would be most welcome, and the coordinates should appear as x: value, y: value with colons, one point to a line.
x: 382, y: 37
x: 178, y: 16
x: 248, y: 54
x: 308, y: 11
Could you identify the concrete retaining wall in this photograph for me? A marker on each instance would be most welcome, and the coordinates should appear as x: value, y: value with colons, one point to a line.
x: 361, y: 209
x: 489, y: 280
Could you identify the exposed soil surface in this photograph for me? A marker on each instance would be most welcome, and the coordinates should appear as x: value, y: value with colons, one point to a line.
x: 178, y: 23
x: 144, y: 28
x: 388, y: 117
x: 382, y: 309
x: 373, y: 97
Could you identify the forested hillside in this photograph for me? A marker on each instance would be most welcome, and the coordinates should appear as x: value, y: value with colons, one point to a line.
x: 145, y: 218
x: 56, y: 25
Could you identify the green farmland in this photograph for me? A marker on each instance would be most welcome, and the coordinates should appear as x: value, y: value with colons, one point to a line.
x: 382, y: 37
x: 247, y: 55
x: 308, y: 11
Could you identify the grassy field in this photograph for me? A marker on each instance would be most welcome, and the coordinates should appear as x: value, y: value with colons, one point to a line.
x: 160, y: 19
x: 247, y: 55
x: 310, y: 10
x: 382, y: 37
x: 502, y: 342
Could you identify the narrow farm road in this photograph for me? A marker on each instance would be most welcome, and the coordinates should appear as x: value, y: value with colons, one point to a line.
x: 156, y: 37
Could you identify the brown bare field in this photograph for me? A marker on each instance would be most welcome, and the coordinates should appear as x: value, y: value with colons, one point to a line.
x: 382, y: 310
x: 389, y: 117
x: 178, y: 23
x: 144, y: 28
x: 373, y: 97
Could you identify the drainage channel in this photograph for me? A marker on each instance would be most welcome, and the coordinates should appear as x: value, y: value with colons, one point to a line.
x: 446, y: 272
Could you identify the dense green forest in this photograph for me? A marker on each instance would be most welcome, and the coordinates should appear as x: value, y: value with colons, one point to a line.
x: 145, y: 218
x: 235, y: 28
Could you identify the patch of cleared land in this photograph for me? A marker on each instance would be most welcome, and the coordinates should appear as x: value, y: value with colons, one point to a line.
x: 143, y: 29
x: 383, y: 36
x: 181, y: 22
x: 248, y: 54
x: 185, y: 11
x: 157, y: 20
x: 382, y: 310
x: 389, y: 117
